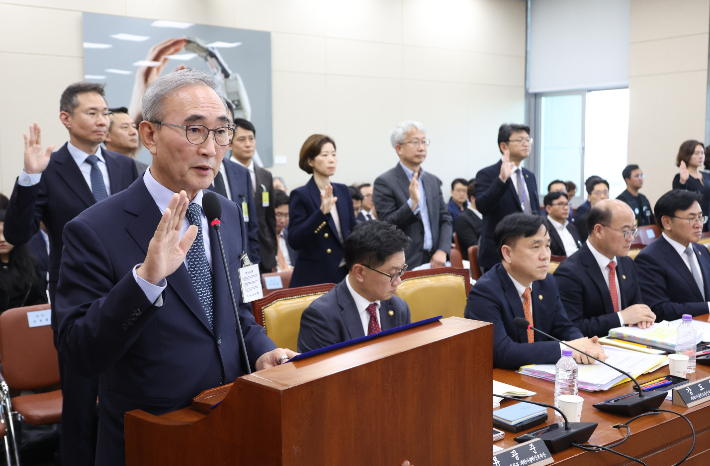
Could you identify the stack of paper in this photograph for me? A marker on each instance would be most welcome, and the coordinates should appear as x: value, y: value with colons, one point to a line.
x: 660, y: 335
x: 596, y: 377
x: 501, y: 388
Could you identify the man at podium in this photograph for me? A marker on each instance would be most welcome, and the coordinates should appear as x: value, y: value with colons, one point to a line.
x: 521, y: 287
x: 143, y: 297
x: 364, y: 302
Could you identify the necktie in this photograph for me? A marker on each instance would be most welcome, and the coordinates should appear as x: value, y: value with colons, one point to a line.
x: 97, y: 179
x: 527, y: 308
x: 524, y: 201
x: 373, y: 327
x: 368, y: 216
x: 280, y: 259
x: 219, y: 185
x: 612, y: 286
x: 697, y: 276
x: 197, y: 265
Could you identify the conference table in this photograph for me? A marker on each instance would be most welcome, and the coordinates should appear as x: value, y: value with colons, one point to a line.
x: 659, y: 440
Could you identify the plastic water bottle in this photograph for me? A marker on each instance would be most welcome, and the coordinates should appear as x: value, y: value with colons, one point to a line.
x: 566, y: 379
x: 686, y: 341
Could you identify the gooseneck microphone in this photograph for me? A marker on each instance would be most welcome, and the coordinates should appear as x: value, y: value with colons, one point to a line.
x: 557, y: 439
x: 631, y: 404
x: 213, y: 211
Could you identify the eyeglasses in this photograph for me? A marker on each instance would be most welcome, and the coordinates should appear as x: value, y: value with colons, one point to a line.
x: 392, y: 277
x: 565, y: 204
x: 641, y: 176
x: 601, y: 193
x: 417, y: 143
x: 94, y: 115
x: 700, y: 218
x: 197, y: 134
x: 522, y: 141
x: 627, y: 233
x: 281, y: 215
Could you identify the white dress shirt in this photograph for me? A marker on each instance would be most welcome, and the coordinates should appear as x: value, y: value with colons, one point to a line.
x: 251, y: 172
x: 361, y: 305
x: 26, y: 179
x: 603, y: 263
x: 680, y: 249
x: 568, y: 241
x: 162, y: 196
x: 226, y: 180
x: 478, y: 214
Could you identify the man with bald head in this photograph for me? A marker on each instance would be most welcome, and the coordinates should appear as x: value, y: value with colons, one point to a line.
x: 598, y: 284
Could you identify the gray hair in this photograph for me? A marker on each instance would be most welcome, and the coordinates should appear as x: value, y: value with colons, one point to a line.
x: 165, y: 85
x: 399, y: 133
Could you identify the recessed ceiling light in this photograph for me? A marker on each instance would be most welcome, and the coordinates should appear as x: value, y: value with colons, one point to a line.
x: 130, y: 37
x: 171, y: 24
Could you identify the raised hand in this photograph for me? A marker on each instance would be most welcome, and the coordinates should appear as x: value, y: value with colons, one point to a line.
x: 414, y: 191
x: 506, y: 168
x: 327, y: 201
x: 36, y: 160
x: 167, y: 251
x: 684, y: 173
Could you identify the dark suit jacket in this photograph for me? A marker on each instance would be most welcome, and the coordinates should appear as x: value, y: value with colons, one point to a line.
x: 390, y: 196
x: 667, y: 285
x: 292, y: 253
x: 61, y: 195
x: 315, y: 237
x: 556, y: 246
x: 148, y: 357
x: 38, y: 248
x: 581, y: 210
x: 241, y: 187
x: 266, y: 217
x: 494, y: 299
x: 586, y: 296
x: 333, y: 318
x: 495, y: 200
x: 468, y: 230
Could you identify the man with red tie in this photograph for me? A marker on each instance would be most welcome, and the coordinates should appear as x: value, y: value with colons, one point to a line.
x: 598, y: 284
x: 364, y: 302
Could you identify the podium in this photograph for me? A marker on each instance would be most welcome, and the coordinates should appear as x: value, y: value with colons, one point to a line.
x: 422, y: 395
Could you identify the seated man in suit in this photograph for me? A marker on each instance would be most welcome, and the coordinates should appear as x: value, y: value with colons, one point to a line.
x: 597, y: 190
x: 142, y: 298
x: 468, y: 226
x: 521, y: 287
x: 674, y: 271
x: 564, y: 237
x: 599, y: 285
x: 457, y: 201
x: 364, y: 302
x: 285, y: 255
x: 367, y: 208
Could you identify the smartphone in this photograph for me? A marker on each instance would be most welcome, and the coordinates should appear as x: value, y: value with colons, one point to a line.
x: 498, y: 435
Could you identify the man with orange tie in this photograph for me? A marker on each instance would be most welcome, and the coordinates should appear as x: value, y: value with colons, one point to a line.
x: 598, y: 284
x: 519, y: 286
x: 364, y: 302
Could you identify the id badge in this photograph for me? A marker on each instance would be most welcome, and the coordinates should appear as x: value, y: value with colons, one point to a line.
x: 250, y: 283
x: 265, y: 199
x: 245, y: 209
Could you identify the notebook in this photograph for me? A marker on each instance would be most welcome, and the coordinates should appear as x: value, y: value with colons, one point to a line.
x: 518, y: 412
x: 501, y: 388
x: 660, y: 335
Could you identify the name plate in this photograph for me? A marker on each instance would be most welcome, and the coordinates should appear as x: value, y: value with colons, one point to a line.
x: 692, y: 393
x: 39, y: 318
x: 273, y: 283
x: 250, y: 282
x: 530, y: 453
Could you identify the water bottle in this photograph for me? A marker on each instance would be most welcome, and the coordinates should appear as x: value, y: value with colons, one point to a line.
x: 565, y: 379
x: 686, y: 341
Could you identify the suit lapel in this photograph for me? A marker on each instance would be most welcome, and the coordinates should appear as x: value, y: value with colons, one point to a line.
x: 532, y: 189
x: 624, y: 284
x: 554, y: 236
x: 348, y: 311
x: 402, y: 180
x: 386, y: 321
x: 513, y: 298
x: 222, y: 302
x: 430, y: 193
x: 343, y: 216
x: 595, y: 273
x: 115, y: 177
x: 675, y: 261
x: 574, y: 233
x: 701, y: 251
x: 72, y: 176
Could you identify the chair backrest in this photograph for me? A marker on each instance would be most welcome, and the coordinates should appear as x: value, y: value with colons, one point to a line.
x: 29, y: 359
x: 456, y: 259
x: 280, y: 312
x: 648, y: 234
x: 473, y: 261
x: 285, y: 277
x: 432, y: 292
x: 555, y: 261
x: 635, y: 250
x: 705, y: 239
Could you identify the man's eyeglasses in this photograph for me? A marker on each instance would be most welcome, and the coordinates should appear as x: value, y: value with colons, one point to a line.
x: 627, y: 233
x: 522, y: 141
x: 392, y: 277
x: 94, y: 115
x: 417, y: 143
x: 564, y: 204
x: 700, y: 218
x: 601, y: 193
x: 197, y: 134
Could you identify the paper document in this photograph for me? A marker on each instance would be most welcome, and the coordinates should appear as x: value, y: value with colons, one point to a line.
x: 661, y: 334
x: 508, y: 390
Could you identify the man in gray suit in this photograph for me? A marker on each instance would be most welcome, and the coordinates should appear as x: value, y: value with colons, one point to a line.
x: 411, y: 198
x: 364, y: 302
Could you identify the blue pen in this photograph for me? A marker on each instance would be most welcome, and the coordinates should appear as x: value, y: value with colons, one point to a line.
x: 653, y: 387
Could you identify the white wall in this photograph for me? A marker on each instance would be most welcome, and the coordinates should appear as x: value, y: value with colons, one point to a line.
x: 350, y: 69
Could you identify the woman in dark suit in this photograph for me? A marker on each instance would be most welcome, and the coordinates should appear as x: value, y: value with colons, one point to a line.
x: 321, y: 217
x: 690, y: 159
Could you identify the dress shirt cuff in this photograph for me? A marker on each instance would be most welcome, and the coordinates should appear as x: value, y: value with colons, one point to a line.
x: 621, y: 319
x: 409, y: 203
x: 563, y: 347
x: 708, y: 306
x: 27, y: 179
x: 152, y: 292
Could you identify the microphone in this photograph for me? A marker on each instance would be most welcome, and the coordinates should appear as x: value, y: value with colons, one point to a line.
x: 631, y: 404
x: 213, y: 211
x: 557, y: 439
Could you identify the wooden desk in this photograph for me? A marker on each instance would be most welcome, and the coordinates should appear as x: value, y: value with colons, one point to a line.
x: 658, y: 440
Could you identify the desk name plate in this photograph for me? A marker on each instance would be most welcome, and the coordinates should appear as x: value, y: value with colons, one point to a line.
x: 692, y: 393
x: 532, y: 453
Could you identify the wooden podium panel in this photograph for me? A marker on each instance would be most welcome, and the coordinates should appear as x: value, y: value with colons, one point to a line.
x: 418, y: 395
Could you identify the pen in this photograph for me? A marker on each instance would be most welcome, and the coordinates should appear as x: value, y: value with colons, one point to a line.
x: 702, y: 353
x: 630, y: 343
x: 658, y: 385
x: 652, y: 382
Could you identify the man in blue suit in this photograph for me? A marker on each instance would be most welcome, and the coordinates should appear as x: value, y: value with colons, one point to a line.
x: 364, y: 302
x: 599, y: 285
x: 55, y: 187
x: 505, y: 188
x: 674, y: 271
x: 519, y: 286
x: 148, y: 308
